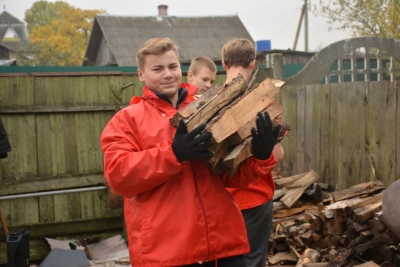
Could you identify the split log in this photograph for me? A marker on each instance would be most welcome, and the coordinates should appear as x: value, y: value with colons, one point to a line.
x: 274, y: 111
x: 316, y: 264
x: 195, y: 106
x: 367, y: 264
x: 235, y: 116
x: 245, y: 150
x: 363, y: 214
x: 340, y: 258
x: 282, y: 257
x: 358, y: 190
x: 296, y: 189
x: 309, y: 256
x: 282, y: 182
x: 219, y: 102
x: 289, y: 212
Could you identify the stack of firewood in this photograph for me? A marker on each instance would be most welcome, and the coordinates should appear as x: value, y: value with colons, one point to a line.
x: 229, y: 113
x: 315, y: 225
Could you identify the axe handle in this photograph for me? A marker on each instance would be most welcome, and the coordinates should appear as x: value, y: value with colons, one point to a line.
x: 3, y: 223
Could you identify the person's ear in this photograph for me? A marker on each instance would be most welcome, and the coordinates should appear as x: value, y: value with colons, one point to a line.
x: 252, y: 64
x: 189, y: 76
x: 224, y: 65
x: 140, y: 75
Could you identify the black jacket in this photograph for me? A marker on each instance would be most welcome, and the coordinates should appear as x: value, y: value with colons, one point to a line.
x: 4, y: 144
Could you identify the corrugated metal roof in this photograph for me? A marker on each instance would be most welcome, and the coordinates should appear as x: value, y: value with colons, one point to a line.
x: 7, y: 20
x: 196, y: 36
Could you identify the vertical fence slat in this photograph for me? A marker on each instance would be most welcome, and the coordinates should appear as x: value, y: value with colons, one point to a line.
x: 316, y: 129
x: 289, y: 143
x: 342, y: 136
x: 308, y: 127
x: 31, y: 212
x: 61, y: 208
x: 397, y: 141
x: 371, y: 133
x: 325, y: 130
x: 86, y: 204
x: 333, y: 135
x: 301, y: 106
x: 389, y: 141
x: 46, y: 209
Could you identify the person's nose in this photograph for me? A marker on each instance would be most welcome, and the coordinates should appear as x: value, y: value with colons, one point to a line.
x: 208, y: 85
x: 167, y: 74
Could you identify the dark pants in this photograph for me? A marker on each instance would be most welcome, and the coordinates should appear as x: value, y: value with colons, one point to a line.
x: 235, y: 261
x: 258, y: 225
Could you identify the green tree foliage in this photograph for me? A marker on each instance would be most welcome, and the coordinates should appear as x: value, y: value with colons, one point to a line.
x: 362, y: 17
x: 62, y: 41
x: 42, y: 13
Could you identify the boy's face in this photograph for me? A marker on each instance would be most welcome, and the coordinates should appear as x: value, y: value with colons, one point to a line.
x: 162, y: 73
x: 202, y: 80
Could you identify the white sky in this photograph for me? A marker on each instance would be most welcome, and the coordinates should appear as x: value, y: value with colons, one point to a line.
x: 274, y: 20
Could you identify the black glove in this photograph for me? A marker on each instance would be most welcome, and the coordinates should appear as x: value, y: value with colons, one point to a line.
x: 187, y: 146
x: 264, y: 138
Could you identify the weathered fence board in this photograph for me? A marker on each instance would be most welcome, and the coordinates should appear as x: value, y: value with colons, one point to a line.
x: 301, y: 107
x: 324, y: 166
x: 342, y: 131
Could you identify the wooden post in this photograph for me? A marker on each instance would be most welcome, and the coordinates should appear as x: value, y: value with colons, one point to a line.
x: 275, y: 61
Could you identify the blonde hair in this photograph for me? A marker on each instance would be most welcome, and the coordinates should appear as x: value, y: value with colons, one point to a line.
x: 238, y: 53
x: 155, y: 46
x: 199, y: 62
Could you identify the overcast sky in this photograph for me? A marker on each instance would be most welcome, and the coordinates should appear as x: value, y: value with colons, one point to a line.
x: 274, y: 20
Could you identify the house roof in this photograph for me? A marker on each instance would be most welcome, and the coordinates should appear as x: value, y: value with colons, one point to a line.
x: 7, y: 20
x: 195, y: 36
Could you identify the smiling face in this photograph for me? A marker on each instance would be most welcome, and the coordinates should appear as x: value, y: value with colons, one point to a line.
x: 162, y: 74
x: 203, y: 80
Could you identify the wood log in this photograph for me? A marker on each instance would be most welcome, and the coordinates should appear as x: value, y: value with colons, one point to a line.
x: 240, y: 153
x: 194, y: 106
x: 280, y: 192
x: 374, y: 243
x: 309, y: 256
x: 232, y: 118
x: 282, y: 257
x: 217, y: 104
x: 367, y: 264
x: 274, y: 111
x: 316, y: 264
x: 296, y: 189
x: 289, y: 212
x: 358, y: 190
x: 340, y: 258
x: 363, y: 214
x: 283, y: 182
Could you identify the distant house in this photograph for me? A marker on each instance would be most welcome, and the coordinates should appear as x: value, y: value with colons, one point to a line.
x: 13, y: 32
x: 115, y: 40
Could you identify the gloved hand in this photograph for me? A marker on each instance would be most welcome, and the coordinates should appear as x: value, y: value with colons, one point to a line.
x: 187, y: 146
x: 264, y: 138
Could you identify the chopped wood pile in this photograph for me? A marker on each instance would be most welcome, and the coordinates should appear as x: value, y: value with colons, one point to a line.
x: 314, y: 225
x: 230, y: 112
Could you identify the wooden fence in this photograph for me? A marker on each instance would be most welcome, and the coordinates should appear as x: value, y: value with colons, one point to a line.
x: 53, y: 122
x: 348, y: 133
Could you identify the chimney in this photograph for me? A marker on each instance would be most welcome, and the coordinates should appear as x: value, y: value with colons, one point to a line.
x: 162, y: 10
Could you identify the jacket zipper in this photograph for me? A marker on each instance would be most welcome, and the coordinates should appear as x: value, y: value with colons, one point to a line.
x: 204, y: 215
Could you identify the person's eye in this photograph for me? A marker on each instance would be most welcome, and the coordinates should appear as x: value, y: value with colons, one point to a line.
x: 174, y: 67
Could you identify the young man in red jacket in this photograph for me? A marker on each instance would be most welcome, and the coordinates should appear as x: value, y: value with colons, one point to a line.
x: 255, y: 201
x: 177, y: 212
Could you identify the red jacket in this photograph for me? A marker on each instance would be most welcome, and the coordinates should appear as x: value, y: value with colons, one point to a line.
x: 176, y: 213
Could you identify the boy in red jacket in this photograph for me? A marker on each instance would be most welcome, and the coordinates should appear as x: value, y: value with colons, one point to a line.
x: 201, y: 73
x: 177, y: 212
x: 255, y: 201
